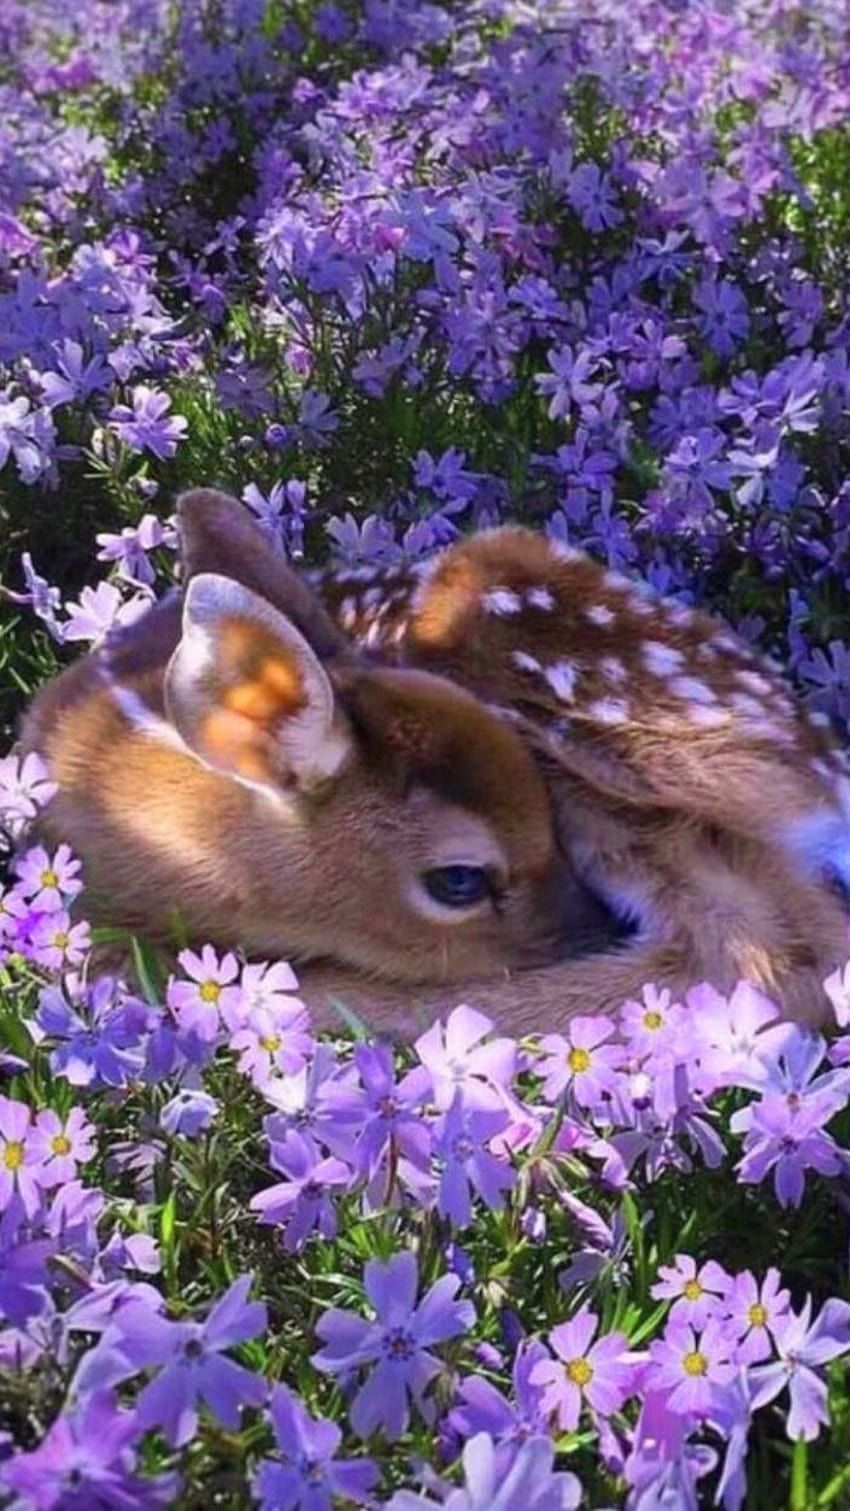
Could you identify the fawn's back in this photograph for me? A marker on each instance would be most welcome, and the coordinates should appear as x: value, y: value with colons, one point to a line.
x: 691, y: 789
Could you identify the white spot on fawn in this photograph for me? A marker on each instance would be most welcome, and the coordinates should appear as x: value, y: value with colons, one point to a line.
x: 599, y: 614
x: 692, y: 690
x: 501, y: 601
x: 609, y: 711
x: 708, y: 718
x: 754, y: 682
x: 539, y: 598
x: 660, y: 659
x: 525, y: 662
x: 562, y: 678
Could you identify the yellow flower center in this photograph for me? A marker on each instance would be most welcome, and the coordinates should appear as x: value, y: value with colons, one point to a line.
x: 692, y: 1290
x: 579, y: 1371
x: 578, y: 1060
x: 13, y: 1155
x: 210, y: 991
x: 49, y: 878
x: 61, y: 940
x: 695, y: 1363
x: 270, y: 1043
x: 757, y: 1314
x: 60, y: 1144
x: 652, y: 1019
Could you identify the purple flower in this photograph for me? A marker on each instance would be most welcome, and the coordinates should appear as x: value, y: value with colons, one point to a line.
x: 25, y: 786
x: 724, y: 321
x: 697, y: 1294
x: 598, y: 1374
x: 20, y: 1160
x: 590, y: 194
x: 73, y: 377
x: 130, y: 548
x: 393, y: 1114
x: 199, y: 1002
x: 803, y: 1346
x: 87, y: 1460
x: 271, y: 1041
x: 190, y: 1359
x: 27, y: 435
x: 530, y: 1482
x: 47, y: 881
x: 480, y: 1407
x: 754, y: 1313
x: 189, y: 1113
x: 736, y: 1035
x: 457, y: 1060
x: 55, y: 943
x: 462, y: 1145
x: 62, y: 1144
x: 581, y: 1062
x: 787, y: 1139
x: 101, y: 610
x: 145, y: 426
x: 303, y: 1201
x: 397, y: 1343
x: 568, y: 384
x: 97, y: 1039
x: 309, y: 1476
x: 692, y: 1368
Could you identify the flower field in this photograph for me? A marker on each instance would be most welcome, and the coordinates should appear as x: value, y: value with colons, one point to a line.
x: 392, y: 271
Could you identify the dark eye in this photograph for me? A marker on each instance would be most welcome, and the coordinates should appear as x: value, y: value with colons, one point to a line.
x: 457, y: 886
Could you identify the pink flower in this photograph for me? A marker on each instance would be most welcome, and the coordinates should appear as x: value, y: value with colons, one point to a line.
x: 693, y: 1368
x: 200, y: 1002
x: 24, y: 787
x: 457, y: 1060
x: 19, y: 1159
x: 697, y: 1295
x: 61, y: 1145
x: 601, y: 1375
x: 651, y: 1025
x: 582, y: 1062
x: 46, y: 882
x: 56, y: 943
x: 272, y: 1042
x: 753, y: 1313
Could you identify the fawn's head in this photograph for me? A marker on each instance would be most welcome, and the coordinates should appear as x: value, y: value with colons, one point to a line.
x: 284, y: 795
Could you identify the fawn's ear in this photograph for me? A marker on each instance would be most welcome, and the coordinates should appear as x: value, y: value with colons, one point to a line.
x: 247, y: 692
x: 218, y: 535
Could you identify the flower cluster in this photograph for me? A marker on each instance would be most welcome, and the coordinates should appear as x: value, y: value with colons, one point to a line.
x: 451, y: 253
x: 391, y: 271
x: 473, y: 1135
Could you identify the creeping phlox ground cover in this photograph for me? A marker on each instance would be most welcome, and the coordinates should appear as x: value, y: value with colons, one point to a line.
x: 390, y: 271
x: 239, y: 1261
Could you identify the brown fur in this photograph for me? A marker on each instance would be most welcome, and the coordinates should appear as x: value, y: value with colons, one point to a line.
x: 683, y: 815
x: 680, y: 814
x: 312, y: 794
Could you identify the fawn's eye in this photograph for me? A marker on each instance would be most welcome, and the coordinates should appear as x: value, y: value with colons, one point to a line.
x: 457, y: 886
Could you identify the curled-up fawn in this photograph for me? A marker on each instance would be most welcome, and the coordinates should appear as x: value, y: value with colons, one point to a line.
x: 692, y: 792
x: 229, y: 761
x: 354, y: 782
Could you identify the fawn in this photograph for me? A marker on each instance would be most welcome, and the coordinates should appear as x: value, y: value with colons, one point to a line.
x: 691, y: 791
x: 230, y: 760
x: 227, y: 758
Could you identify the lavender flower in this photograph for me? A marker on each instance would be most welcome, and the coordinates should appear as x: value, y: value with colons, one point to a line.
x: 397, y: 1343
x: 599, y: 1374
x: 145, y: 424
x: 309, y: 1475
x: 190, y: 1359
